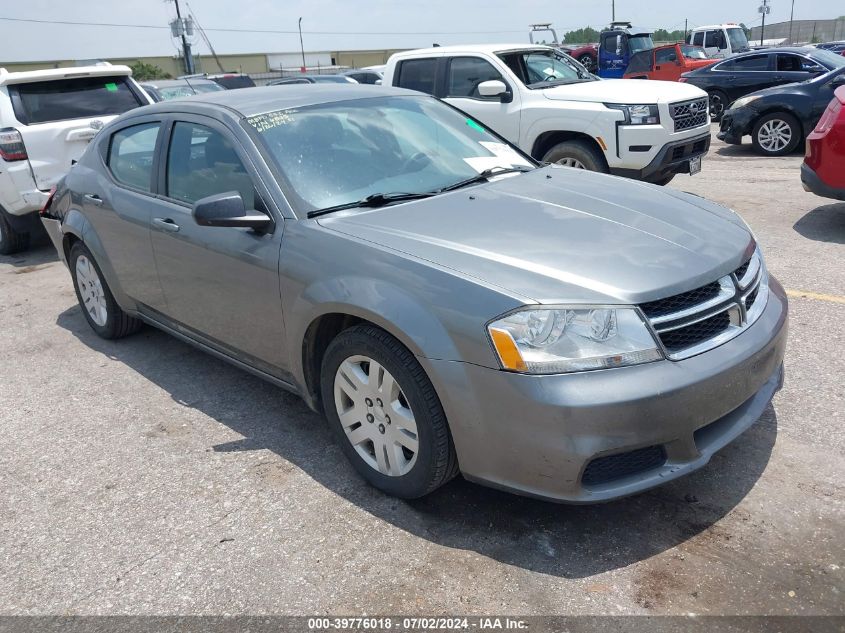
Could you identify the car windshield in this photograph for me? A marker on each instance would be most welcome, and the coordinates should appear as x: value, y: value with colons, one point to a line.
x: 693, y: 52
x: 200, y: 88
x: 331, y: 79
x: 828, y: 58
x: 738, y: 41
x: 544, y: 68
x: 640, y: 43
x: 341, y: 152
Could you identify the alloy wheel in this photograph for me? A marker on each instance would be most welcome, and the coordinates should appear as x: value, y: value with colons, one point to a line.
x: 717, y: 106
x: 774, y: 135
x: 376, y: 416
x: 91, y: 291
x: 571, y: 162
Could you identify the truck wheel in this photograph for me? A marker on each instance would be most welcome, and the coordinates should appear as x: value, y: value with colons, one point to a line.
x: 10, y: 240
x: 577, y: 154
x: 718, y: 104
x: 776, y: 134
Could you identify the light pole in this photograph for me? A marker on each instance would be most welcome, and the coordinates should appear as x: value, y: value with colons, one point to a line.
x: 301, y: 47
x: 791, y: 16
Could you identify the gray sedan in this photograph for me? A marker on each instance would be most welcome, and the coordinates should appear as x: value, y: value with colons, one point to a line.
x: 447, y: 303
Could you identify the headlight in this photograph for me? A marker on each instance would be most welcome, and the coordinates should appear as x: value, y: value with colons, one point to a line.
x: 744, y: 101
x: 559, y: 340
x: 637, y: 114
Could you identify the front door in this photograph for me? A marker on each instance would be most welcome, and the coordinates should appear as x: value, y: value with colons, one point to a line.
x: 463, y: 76
x: 221, y: 284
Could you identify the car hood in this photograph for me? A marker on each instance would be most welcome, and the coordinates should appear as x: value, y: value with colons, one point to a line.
x: 777, y: 90
x: 623, y: 91
x: 560, y: 235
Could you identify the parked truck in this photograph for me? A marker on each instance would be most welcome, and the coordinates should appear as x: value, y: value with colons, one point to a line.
x: 667, y: 63
x: 617, y: 44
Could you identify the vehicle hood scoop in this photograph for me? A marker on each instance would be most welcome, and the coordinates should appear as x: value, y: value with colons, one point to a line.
x: 559, y: 235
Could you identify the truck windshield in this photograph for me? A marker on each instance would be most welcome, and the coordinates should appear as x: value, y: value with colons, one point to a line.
x: 693, y: 52
x: 739, y: 43
x: 545, y: 68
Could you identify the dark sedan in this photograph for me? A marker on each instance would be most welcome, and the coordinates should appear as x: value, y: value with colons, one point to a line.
x: 780, y: 118
x: 743, y: 74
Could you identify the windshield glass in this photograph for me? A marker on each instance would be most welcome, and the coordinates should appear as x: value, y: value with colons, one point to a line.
x: 200, y: 88
x: 639, y: 43
x: 829, y: 59
x: 542, y: 68
x: 737, y: 39
x: 693, y: 52
x: 342, y: 152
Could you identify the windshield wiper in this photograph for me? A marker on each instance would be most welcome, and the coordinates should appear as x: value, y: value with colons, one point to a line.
x: 373, y: 200
x: 484, y: 175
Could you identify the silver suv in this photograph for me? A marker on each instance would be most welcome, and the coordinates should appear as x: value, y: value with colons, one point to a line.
x: 448, y: 304
x: 47, y: 118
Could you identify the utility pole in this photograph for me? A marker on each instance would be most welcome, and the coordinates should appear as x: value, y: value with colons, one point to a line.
x: 764, y: 9
x: 686, y: 24
x: 186, y: 47
x: 791, y: 16
x: 613, y: 11
x: 301, y: 47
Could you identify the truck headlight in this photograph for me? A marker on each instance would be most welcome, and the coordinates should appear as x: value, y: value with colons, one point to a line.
x: 637, y: 114
x: 560, y: 340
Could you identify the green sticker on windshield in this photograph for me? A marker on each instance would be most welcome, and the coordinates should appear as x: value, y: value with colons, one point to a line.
x: 474, y: 125
x: 111, y: 87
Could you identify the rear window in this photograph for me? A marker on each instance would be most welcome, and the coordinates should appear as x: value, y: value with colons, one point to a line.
x: 230, y: 82
x: 77, y: 98
x: 417, y: 74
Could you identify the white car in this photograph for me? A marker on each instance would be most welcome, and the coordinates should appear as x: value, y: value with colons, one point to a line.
x: 47, y: 118
x: 538, y: 99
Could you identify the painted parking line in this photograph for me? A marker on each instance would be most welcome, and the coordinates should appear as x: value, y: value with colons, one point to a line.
x: 806, y: 294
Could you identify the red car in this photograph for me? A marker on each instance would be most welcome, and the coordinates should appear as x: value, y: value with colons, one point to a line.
x: 823, y: 171
x: 667, y: 63
x: 587, y: 54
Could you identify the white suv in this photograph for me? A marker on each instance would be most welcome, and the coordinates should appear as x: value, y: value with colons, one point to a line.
x: 47, y: 118
x: 538, y: 99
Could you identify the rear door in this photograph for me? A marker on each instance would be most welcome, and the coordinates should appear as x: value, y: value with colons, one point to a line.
x: 57, y: 118
x: 748, y: 74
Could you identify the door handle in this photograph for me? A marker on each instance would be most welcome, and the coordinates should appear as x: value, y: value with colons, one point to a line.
x: 166, y: 224
x: 94, y: 199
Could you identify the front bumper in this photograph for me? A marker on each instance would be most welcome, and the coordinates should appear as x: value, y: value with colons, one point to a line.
x: 673, y: 158
x: 816, y: 185
x: 536, y: 435
x: 735, y: 124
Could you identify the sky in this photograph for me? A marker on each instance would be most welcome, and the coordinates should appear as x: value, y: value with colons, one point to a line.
x: 341, y: 25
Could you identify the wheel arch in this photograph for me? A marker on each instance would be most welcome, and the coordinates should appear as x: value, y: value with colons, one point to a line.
x: 546, y: 140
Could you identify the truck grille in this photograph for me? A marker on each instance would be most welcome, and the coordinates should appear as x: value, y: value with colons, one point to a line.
x: 697, y: 320
x: 689, y: 114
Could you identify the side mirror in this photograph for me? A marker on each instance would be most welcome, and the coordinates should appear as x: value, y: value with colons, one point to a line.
x: 619, y: 45
x: 227, y: 209
x: 495, y: 88
x: 378, y: 82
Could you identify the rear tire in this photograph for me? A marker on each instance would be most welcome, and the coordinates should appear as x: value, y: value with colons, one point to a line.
x: 10, y: 240
x: 718, y: 104
x: 577, y: 154
x: 95, y: 298
x: 385, y: 413
x: 776, y: 134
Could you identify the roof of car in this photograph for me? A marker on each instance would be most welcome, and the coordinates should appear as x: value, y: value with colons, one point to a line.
x: 28, y: 76
x: 469, y: 48
x: 252, y: 101
x: 801, y: 50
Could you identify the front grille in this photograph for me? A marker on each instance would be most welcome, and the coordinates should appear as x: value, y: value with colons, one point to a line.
x: 603, y: 470
x: 689, y: 114
x: 683, y: 301
x: 682, y: 338
x: 700, y: 319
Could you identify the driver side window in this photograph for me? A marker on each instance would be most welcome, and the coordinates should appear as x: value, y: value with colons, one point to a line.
x: 201, y: 162
x: 465, y: 75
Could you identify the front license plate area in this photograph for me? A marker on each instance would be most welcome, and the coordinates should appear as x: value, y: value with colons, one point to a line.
x: 694, y: 165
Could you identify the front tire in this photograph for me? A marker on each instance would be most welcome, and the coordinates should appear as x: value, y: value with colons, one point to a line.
x: 10, y: 240
x: 577, y: 154
x: 718, y: 104
x: 587, y: 61
x: 95, y: 298
x: 385, y: 413
x: 776, y: 134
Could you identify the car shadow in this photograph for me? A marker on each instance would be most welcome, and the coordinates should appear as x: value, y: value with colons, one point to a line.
x: 561, y: 540
x: 37, y: 255
x: 824, y: 224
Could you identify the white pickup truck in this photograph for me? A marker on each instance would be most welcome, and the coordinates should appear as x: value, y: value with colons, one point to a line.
x: 538, y: 99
